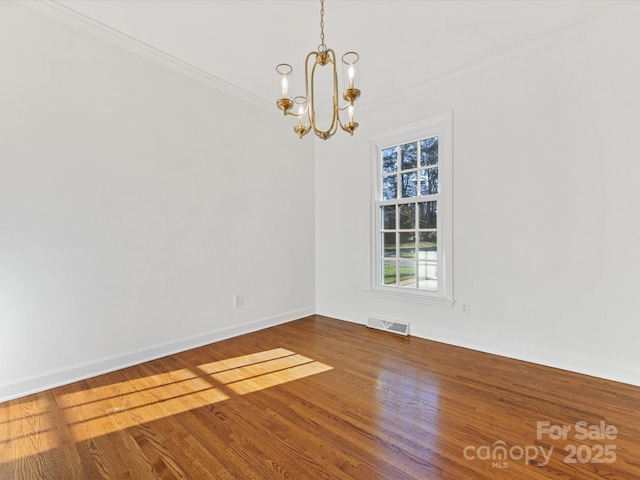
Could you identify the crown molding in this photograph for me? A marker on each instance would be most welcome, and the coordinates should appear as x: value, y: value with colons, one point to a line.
x: 122, y: 40
x: 551, y: 41
x: 100, y: 30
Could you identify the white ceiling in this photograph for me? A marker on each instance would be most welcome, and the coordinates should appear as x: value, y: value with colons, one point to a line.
x: 403, y: 45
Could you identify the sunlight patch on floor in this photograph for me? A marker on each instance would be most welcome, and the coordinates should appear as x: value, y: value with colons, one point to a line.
x: 27, y: 426
x: 251, y: 373
x: 278, y: 378
x: 134, y: 385
x: 245, y: 360
x: 137, y: 409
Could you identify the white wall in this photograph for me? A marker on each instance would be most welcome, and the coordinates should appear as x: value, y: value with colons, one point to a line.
x: 134, y: 202
x: 546, y: 208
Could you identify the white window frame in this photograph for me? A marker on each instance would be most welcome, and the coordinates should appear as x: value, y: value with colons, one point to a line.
x: 440, y: 125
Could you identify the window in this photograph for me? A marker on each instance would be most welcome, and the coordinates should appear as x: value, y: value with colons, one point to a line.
x: 412, y: 210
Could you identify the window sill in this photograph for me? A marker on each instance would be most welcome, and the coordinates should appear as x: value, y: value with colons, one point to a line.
x: 405, y: 296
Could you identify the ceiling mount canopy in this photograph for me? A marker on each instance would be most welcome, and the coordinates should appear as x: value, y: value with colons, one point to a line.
x: 304, y: 106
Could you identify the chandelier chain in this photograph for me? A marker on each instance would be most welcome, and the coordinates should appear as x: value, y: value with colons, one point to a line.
x: 322, y: 47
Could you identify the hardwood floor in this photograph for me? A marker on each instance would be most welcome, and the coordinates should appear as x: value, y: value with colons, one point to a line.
x: 322, y: 399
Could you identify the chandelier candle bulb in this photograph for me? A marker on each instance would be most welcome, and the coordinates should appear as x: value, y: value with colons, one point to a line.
x: 301, y: 129
x: 350, y: 66
x: 301, y: 102
x: 284, y: 103
x: 284, y: 70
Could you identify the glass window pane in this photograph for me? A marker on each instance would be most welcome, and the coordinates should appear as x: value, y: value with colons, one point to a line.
x: 429, y: 181
x: 409, y: 185
x: 428, y: 275
x: 388, y: 217
x: 428, y: 215
x: 389, y: 244
x: 408, y: 216
x: 389, y: 187
x: 429, y: 151
x: 389, y: 273
x: 390, y: 160
x: 428, y: 246
x: 407, y: 271
x: 409, y: 154
x: 407, y: 245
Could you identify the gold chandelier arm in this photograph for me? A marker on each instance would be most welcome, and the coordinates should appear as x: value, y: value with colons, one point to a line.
x: 289, y: 112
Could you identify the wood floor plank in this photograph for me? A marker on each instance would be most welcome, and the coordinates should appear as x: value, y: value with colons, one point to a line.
x: 321, y: 399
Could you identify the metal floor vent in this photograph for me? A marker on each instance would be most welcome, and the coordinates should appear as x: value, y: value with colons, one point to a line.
x: 393, y: 326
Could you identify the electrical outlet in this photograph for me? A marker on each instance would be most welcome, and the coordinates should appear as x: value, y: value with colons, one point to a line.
x: 464, y: 307
x: 237, y: 300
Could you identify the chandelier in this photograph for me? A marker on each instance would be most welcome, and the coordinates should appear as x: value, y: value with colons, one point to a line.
x: 305, y: 106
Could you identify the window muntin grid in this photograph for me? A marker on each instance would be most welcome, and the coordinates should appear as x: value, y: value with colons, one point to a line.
x: 408, y: 215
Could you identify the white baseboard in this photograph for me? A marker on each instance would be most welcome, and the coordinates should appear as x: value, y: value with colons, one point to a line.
x: 591, y: 366
x: 62, y: 376
x: 55, y: 378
